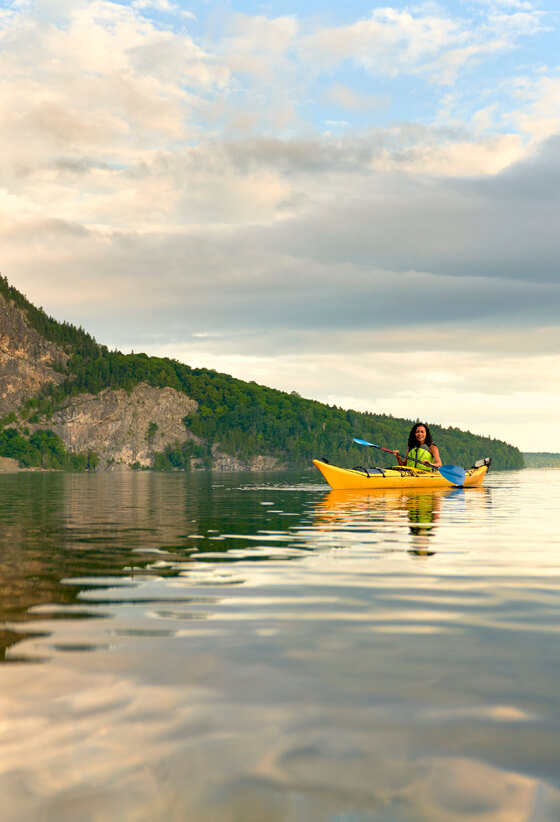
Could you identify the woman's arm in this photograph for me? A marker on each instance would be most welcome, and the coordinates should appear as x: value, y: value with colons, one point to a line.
x: 436, y: 459
x: 400, y: 459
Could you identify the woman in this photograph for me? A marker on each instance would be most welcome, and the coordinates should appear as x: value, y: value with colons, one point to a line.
x: 421, y: 448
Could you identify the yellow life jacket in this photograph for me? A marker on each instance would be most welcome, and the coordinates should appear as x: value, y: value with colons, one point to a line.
x: 419, y: 453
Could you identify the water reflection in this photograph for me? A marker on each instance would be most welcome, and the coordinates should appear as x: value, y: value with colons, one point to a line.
x: 378, y: 510
x: 249, y: 650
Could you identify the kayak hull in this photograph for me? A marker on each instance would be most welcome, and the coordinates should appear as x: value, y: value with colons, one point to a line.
x: 360, y: 479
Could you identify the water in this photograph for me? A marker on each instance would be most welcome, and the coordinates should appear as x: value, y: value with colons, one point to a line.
x: 254, y: 648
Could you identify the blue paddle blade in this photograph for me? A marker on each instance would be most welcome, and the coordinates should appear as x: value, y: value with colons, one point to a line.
x: 365, y: 442
x: 453, y: 473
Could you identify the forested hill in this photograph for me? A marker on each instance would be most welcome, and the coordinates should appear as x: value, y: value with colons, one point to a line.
x: 542, y: 459
x: 240, y: 419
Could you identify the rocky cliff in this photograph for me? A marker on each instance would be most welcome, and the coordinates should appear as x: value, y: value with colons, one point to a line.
x: 26, y: 358
x: 125, y: 429
x: 69, y: 403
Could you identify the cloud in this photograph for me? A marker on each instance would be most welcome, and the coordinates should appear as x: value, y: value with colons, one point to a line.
x: 387, y: 41
x: 260, y: 35
x: 191, y: 179
x: 233, y: 278
x: 163, y: 6
x: 541, y: 116
x: 348, y: 98
x: 419, y: 41
x: 103, y: 80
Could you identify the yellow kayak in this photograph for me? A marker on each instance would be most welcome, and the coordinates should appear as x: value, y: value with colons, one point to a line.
x: 363, y: 479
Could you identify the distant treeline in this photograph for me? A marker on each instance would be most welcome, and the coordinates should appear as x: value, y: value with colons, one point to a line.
x: 245, y: 419
x: 542, y: 459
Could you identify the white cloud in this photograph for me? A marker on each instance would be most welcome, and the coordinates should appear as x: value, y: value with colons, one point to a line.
x: 105, y: 79
x: 182, y: 177
x: 540, y: 116
x: 163, y: 6
x: 260, y: 35
x: 256, y: 50
x: 348, y: 98
x: 418, y: 41
x: 387, y: 42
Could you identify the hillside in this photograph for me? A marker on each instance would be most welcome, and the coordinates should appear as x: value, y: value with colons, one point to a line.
x: 541, y: 459
x: 68, y: 402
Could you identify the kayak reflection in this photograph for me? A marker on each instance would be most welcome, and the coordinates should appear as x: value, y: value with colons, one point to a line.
x: 420, y: 509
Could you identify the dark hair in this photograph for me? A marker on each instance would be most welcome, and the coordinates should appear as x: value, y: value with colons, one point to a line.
x: 412, y: 441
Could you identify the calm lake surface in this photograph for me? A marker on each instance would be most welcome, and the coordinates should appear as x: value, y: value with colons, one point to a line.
x: 255, y: 648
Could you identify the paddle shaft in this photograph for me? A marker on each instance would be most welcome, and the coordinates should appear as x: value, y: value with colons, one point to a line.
x: 453, y: 473
x: 389, y: 451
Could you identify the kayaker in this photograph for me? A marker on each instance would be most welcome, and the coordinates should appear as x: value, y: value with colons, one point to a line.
x: 420, y: 447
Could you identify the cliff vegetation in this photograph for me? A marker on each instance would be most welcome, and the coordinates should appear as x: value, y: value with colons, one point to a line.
x: 110, y: 408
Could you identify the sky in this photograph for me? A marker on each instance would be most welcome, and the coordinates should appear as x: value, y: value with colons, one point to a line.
x: 356, y: 202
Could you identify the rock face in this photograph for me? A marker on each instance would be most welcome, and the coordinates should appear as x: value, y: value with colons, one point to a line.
x: 124, y: 427
x: 26, y: 358
x: 225, y: 462
x: 9, y: 466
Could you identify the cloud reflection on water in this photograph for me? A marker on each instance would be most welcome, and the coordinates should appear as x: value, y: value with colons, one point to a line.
x: 320, y: 673
x: 91, y: 745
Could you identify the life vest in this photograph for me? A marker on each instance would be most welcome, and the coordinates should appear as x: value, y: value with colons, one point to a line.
x: 420, y: 452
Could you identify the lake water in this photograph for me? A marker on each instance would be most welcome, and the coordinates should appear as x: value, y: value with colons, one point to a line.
x: 255, y: 648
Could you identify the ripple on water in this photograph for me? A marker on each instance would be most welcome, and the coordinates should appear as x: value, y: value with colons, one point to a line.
x: 245, y: 650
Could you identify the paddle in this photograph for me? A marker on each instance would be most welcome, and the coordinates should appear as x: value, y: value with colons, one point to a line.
x: 453, y: 473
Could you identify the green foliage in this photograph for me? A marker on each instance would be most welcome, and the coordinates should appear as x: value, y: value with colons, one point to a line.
x: 247, y: 419
x: 151, y: 432
x: 64, y: 334
x: 178, y: 457
x: 7, y: 419
x: 542, y: 459
x: 43, y: 449
x: 243, y: 419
